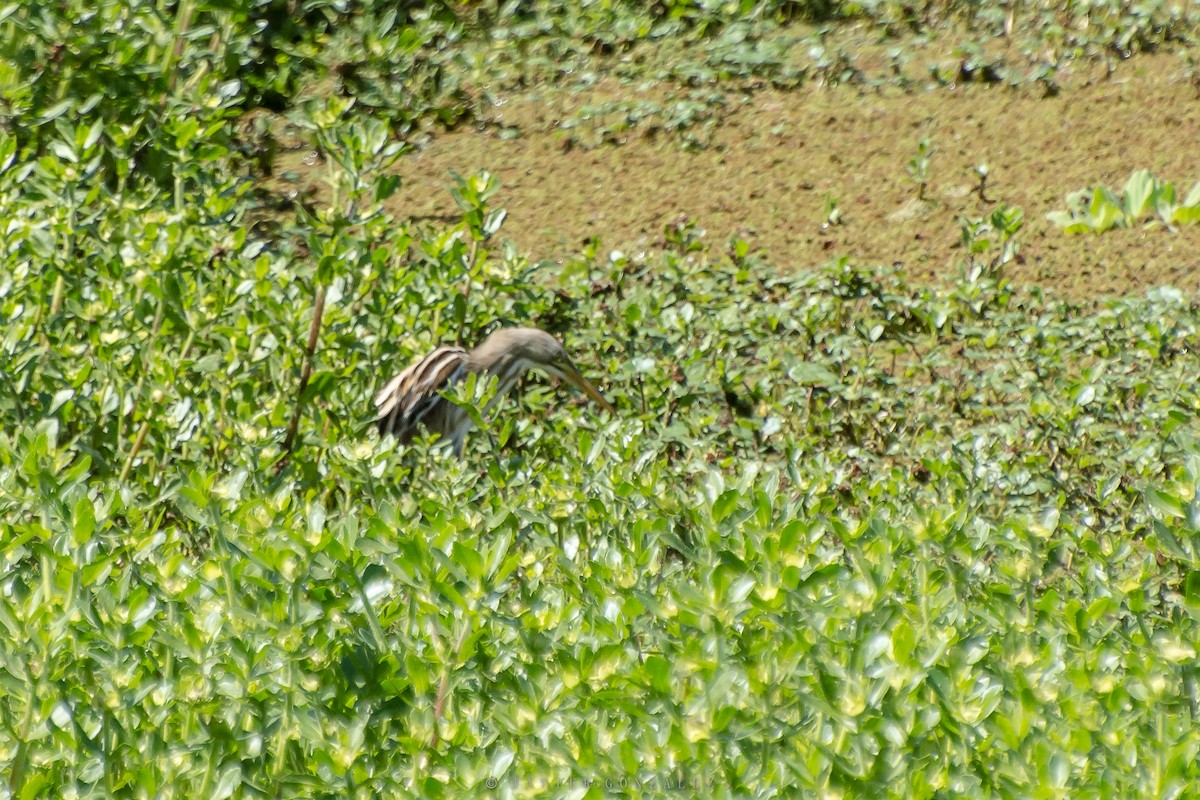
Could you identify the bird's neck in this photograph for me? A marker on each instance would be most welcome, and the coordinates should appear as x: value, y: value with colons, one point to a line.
x: 508, y: 369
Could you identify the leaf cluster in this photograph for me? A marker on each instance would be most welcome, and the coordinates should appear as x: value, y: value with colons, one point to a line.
x: 1100, y: 209
x: 846, y: 533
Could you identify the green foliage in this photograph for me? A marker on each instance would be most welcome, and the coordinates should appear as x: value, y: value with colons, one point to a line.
x: 1100, y: 209
x: 134, y: 65
x: 157, y: 87
x: 918, y: 165
x: 991, y: 243
x: 833, y: 212
x: 846, y: 535
x: 692, y: 119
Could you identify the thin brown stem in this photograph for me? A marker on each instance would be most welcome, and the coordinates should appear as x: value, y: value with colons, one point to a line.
x: 183, y: 22
x: 314, y: 332
x: 133, y: 451
x: 56, y: 299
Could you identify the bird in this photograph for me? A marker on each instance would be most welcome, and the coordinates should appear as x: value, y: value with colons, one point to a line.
x: 413, y: 398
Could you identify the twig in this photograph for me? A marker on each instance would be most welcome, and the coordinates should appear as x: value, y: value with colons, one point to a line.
x: 133, y: 451
x: 314, y: 331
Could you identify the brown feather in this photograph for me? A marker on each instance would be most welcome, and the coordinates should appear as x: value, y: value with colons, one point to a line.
x: 412, y: 398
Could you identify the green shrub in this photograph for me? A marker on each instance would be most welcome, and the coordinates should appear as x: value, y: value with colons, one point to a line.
x: 1098, y: 210
x: 846, y: 535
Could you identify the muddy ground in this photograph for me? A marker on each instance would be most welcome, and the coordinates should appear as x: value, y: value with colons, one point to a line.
x: 777, y: 158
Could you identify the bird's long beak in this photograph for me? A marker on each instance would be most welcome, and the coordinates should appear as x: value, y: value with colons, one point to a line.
x: 572, y: 376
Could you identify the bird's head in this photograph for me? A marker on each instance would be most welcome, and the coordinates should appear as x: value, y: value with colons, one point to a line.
x: 536, y: 348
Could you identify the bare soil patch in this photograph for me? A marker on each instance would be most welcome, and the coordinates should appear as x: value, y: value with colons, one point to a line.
x: 777, y: 156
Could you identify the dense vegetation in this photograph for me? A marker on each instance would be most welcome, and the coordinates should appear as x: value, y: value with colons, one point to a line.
x: 846, y: 534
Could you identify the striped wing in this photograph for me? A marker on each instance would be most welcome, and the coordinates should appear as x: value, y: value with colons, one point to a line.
x: 411, y: 398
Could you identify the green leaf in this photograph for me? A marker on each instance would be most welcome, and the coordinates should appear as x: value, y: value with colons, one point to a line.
x: 1105, y: 211
x: 1139, y: 191
x: 725, y: 504
x: 65, y: 151
x: 469, y: 559
x: 1192, y: 590
x: 1186, y: 215
x: 1164, y: 200
x: 55, y: 111
x: 810, y: 374
x: 8, y: 152
x: 84, y: 520
x: 501, y: 761
x: 659, y: 671
x: 327, y: 269
x: 904, y: 643
x: 316, y: 521
x: 1062, y: 219
x: 320, y: 384
x: 740, y: 589
x: 230, y: 780
x: 385, y: 187
x: 1165, y: 503
x: 1193, y: 197
x: 494, y: 220
x: 34, y: 784
x: 93, y: 135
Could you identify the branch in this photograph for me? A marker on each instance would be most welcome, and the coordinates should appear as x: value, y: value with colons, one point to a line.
x: 314, y: 332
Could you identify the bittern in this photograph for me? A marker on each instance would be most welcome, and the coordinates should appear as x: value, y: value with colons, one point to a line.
x: 413, y: 398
